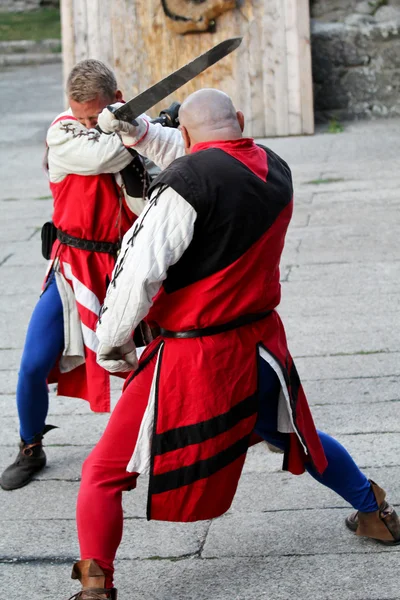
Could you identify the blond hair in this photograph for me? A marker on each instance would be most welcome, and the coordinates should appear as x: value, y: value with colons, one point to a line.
x: 91, y: 78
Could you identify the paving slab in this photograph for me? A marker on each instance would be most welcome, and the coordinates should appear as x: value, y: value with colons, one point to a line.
x: 385, y: 305
x: 81, y: 431
x: 60, y: 499
x: 343, y: 180
x: 368, y: 450
x: 316, y: 337
x: 360, y: 147
x: 348, y: 278
x: 349, y: 366
x: 347, y: 244
x: 282, y: 491
x: 21, y: 231
x: 348, y: 419
x: 368, y: 198
x: 283, y: 578
x: 286, y: 533
x: 32, y: 276
x: 64, y: 463
x: 141, y: 539
x: 36, y: 109
x: 8, y: 381
x: 357, y: 392
x: 59, y: 405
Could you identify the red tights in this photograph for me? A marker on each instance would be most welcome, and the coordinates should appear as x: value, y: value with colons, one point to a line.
x: 104, y: 477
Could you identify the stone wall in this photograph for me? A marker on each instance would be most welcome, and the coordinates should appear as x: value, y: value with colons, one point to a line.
x: 356, y: 58
x: 342, y: 10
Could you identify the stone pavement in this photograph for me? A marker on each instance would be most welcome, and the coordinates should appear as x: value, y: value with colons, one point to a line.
x: 284, y: 537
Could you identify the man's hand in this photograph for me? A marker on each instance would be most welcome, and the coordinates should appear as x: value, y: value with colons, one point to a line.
x: 118, y: 359
x: 109, y: 124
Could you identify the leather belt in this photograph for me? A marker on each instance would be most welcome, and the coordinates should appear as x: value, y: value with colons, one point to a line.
x: 214, y: 329
x: 89, y: 245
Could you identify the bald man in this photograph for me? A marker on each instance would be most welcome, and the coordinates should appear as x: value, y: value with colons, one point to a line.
x: 202, y: 263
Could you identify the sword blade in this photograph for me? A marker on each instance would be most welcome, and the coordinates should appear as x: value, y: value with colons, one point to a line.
x: 160, y: 90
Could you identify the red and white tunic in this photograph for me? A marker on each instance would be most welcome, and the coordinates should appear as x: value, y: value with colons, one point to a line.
x: 89, y: 203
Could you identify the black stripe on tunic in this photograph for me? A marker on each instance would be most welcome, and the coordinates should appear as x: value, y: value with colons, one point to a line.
x: 201, y: 469
x: 187, y: 435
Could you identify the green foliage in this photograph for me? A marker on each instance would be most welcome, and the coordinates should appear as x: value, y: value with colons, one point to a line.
x: 31, y: 25
x: 376, y: 4
x: 327, y: 180
x: 335, y: 126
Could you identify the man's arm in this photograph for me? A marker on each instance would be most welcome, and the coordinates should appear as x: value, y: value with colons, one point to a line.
x: 75, y: 149
x: 156, y: 241
x: 162, y: 145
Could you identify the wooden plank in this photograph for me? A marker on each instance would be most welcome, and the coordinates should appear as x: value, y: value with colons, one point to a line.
x: 268, y: 69
x: 94, y: 49
x: 293, y: 66
x: 105, y: 33
x: 306, y: 85
x: 81, y: 29
x: 256, y: 116
x: 275, y: 69
x: 237, y: 80
x: 68, y: 38
x: 281, y: 72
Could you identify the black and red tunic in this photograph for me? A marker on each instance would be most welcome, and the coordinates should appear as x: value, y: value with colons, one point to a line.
x: 203, y: 402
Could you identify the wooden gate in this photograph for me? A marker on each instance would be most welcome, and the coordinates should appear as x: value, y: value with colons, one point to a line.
x: 268, y: 77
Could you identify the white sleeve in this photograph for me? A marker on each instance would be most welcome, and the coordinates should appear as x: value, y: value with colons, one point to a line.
x: 156, y: 241
x: 75, y: 149
x: 162, y: 145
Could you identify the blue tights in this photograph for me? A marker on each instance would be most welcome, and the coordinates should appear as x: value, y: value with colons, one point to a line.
x: 342, y: 475
x: 43, y: 344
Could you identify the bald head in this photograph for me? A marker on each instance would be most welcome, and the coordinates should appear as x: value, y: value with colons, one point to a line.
x: 209, y: 115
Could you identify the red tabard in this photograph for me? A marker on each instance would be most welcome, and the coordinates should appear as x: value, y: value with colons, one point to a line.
x: 206, y: 390
x: 88, y: 207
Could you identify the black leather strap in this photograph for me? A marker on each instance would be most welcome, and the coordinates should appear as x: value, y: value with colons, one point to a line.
x: 89, y: 245
x: 214, y: 329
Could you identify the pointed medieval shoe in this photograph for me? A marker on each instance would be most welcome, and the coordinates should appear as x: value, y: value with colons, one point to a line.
x: 382, y: 525
x: 93, y: 580
x: 30, y: 460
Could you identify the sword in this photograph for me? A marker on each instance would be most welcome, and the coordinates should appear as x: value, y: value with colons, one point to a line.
x: 160, y: 90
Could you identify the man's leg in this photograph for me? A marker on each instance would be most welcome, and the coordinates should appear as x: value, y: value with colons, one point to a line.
x: 104, y: 478
x: 342, y: 475
x: 43, y: 344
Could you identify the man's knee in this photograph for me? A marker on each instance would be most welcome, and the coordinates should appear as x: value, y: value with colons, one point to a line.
x: 33, y: 367
x: 105, y: 473
x: 91, y: 471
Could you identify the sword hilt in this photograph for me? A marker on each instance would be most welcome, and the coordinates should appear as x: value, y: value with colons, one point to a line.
x: 169, y: 117
x: 123, y: 115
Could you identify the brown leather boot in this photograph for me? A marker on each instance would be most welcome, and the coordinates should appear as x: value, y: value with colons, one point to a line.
x: 382, y: 525
x: 92, y: 579
x: 30, y: 460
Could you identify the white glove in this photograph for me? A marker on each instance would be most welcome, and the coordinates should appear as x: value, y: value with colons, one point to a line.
x: 118, y: 359
x: 109, y: 124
